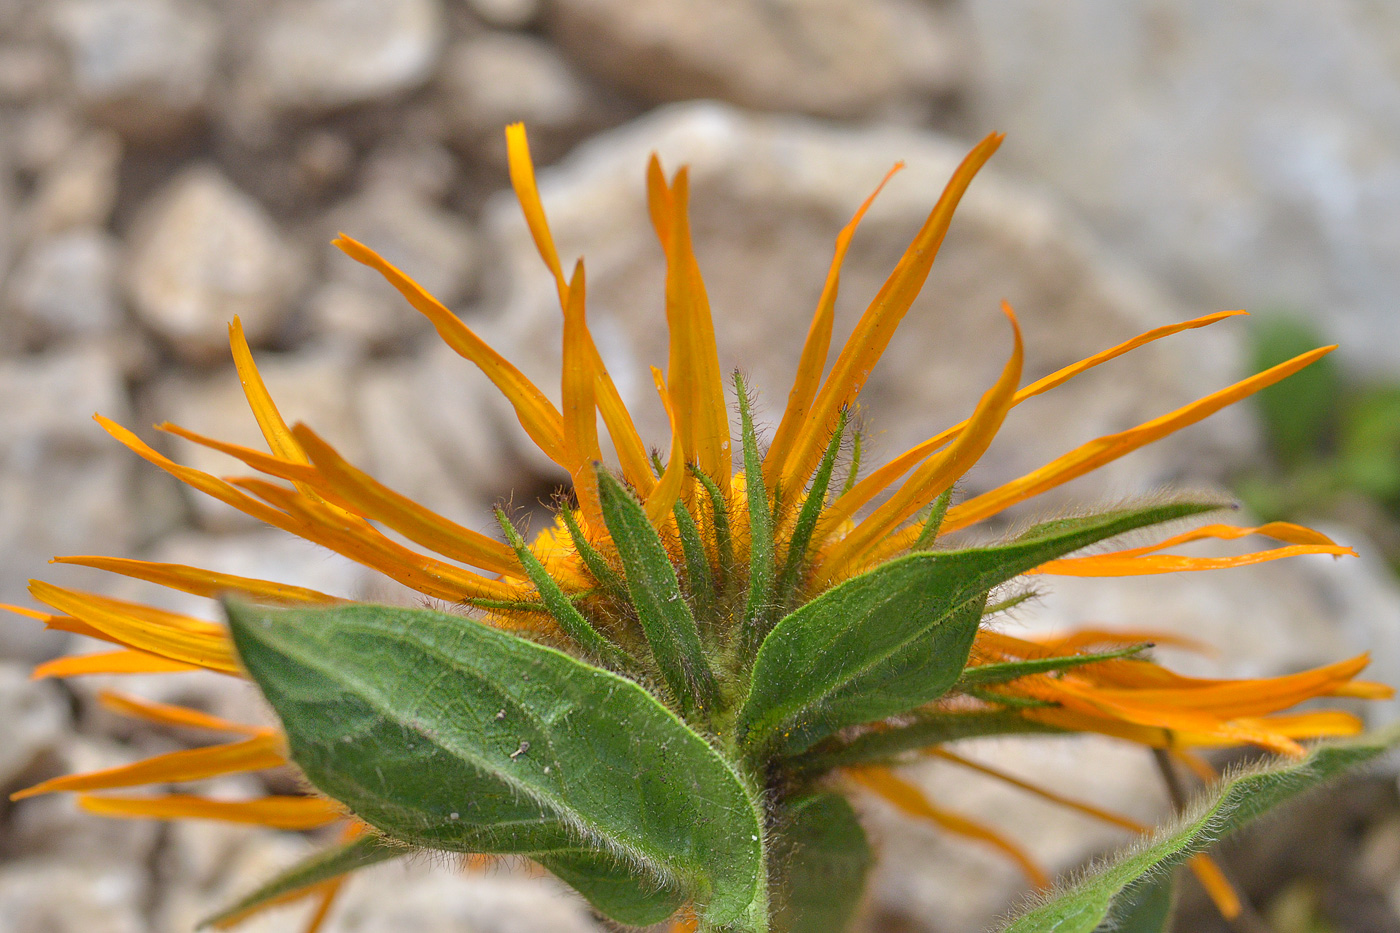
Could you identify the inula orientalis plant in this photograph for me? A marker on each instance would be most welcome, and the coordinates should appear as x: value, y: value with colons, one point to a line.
x: 668, y: 698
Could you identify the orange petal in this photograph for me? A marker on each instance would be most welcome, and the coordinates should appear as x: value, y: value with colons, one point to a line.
x: 252, y: 754
x: 815, y: 348
x: 664, y: 495
x: 577, y: 385
x: 179, y: 638
x: 199, y: 582
x: 277, y: 812
x: 692, y: 371
x: 877, y: 325
x: 110, y: 662
x: 419, y: 524
x: 1111, y: 565
x: 1106, y: 449
x: 909, y: 799
x: 168, y: 715
x: 1217, y: 886
x: 537, y: 415
x: 937, y: 475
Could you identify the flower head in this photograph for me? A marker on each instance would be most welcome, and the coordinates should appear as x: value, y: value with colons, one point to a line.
x: 684, y: 573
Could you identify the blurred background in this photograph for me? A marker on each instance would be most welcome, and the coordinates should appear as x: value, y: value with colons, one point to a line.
x: 168, y: 164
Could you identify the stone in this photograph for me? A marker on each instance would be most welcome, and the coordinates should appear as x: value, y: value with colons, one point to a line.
x: 315, y: 388
x: 496, y: 78
x: 203, y: 252
x: 35, y: 717
x: 506, y: 14
x: 40, y: 895
x: 80, y: 188
x: 64, y: 287
x: 318, y: 55
x: 1242, y: 152
x: 768, y: 197
x: 838, y: 58
x: 65, y: 488
x: 436, y: 248
x: 143, y: 67
x: 27, y: 72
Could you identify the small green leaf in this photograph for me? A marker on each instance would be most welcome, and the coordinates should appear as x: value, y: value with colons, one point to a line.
x: 898, y: 636
x: 934, y: 523
x: 447, y: 734
x: 759, y: 603
x: 320, y: 867
x: 820, y: 859
x: 985, y: 675
x: 596, y: 564
x: 1100, y: 898
x: 697, y: 564
x: 807, y: 518
x: 719, y: 510
x: 853, y: 474
x: 1144, y: 906
x: 656, y: 593
x: 569, y: 618
x: 922, y: 731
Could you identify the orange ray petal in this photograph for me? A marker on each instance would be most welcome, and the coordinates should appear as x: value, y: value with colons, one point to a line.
x: 199, y: 582
x: 816, y: 347
x: 692, y: 371
x: 906, y: 797
x: 1100, y: 451
x: 257, y: 753
x: 168, y: 715
x: 877, y: 325
x: 1086, y: 638
x: 277, y: 812
x: 538, y: 416
x: 1111, y: 565
x: 665, y: 493
x: 189, y: 641
x: 415, y: 522
x: 937, y: 474
x: 577, y: 388
x: 110, y: 662
x: 1222, y: 893
x: 274, y: 429
x: 867, y: 489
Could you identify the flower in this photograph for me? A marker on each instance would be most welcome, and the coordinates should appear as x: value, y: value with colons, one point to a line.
x: 752, y: 546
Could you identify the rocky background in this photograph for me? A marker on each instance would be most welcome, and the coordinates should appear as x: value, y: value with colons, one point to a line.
x: 167, y: 164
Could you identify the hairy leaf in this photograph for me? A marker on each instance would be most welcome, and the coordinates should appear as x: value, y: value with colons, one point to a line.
x: 445, y: 733
x: 986, y: 675
x: 656, y: 593
x: 922, y: 731
x: 898, y: 636
x: 1121, y: 887
x: 820, y: 859
x: 758, y: 609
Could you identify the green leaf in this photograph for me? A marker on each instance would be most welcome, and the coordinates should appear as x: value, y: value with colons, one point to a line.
x: 697, y: 564
x: 758, y: 607
x: 934, y: 523
x: 595, y: 562
x: 719, y: 510
x: 922, y: 731
x: 656, y: 593
x: 1100, y: 898
x: 898, y: 636
x: 447, y: 734
x: 820, y: 859
x: 565, y: 613
x: 807, y: 518
x: 1144, y: 906
x: 985, y: 675
x: 320, y: 867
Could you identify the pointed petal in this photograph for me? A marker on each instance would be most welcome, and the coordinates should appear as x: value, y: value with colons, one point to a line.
x: 537, y: 415
x: 110, y: 662
x: 169, y: 715
x: 276, y: 812
x: 815, y: 348
x: 877, y: 325
x: 906, y: 797
x: 577, y: 385
x: 257, y: 753
x: 522, y: 179
x: 1106, y: 449
x: 1141, y: 560
x: 199, y: 582
x: 665, y: 493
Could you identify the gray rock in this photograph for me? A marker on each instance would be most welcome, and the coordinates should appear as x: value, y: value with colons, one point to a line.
x: 37, y: 896
x: 27, y: 71
x: 496, y: 78
x: 1243, y: 151
x: 143, y: 67
x: 829, y: 57
x: 203, y: 252
x: 35, y: 718
x: 65, y: 286
x: 769, y: 195
x: 324, y: 54
x: 79, y: 188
